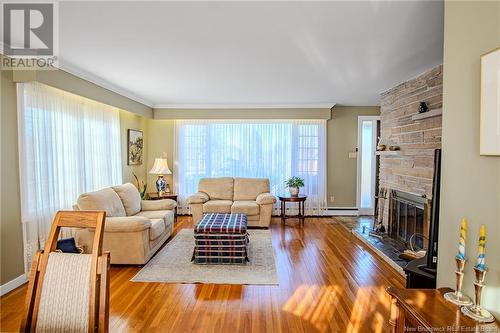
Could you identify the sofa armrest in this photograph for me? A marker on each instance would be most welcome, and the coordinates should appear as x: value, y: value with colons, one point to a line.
x: 265, y: 199
x: 126, y: 224
x: 198, y: 198
x: 164, y: 204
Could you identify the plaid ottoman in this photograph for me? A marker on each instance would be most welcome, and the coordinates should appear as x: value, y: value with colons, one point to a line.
x: 221, y: 239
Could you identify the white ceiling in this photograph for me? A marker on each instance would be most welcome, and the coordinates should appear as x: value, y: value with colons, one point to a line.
x: 236, y: 54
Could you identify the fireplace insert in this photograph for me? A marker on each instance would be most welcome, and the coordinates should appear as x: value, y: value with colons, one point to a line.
x: 409, y: 219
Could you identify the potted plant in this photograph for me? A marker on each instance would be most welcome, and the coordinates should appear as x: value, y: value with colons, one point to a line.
x: 141, y: 187
x: 294, y: 184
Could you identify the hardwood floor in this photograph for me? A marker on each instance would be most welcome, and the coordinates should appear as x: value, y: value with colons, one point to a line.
x: 329, y: 282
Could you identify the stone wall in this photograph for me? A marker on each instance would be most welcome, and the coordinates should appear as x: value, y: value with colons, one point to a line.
x: 410, y: 169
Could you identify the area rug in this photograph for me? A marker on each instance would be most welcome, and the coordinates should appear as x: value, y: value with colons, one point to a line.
x: 173, y: 263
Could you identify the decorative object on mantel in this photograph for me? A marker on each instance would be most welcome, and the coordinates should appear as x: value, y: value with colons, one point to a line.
x: 142, y: 186
x: 490, y: 99
x: 456, y: 297
x: 429, y: 114
x: 475, y: 311
x: 294, y: 184
x: 135, y: 145
x: 380, y: 145
x: 422, y: 108
x: 161, y: 168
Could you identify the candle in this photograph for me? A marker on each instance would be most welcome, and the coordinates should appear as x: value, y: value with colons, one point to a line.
x: 482, y: 244
x: 461, y: 242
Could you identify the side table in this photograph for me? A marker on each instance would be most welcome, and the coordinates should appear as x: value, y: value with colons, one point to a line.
x: 426, y: 310
x: 300, y: 199
x: 157, y: 196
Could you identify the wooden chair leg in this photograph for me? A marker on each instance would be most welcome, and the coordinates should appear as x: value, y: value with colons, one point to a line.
x: 26, y: 322
x: 104, y: 265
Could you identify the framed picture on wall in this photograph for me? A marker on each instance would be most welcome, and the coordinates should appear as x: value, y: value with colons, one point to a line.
x: 490, y: 104
x: 135, y: 147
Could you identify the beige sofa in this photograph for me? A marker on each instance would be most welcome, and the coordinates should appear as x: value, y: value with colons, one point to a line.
x: 134, y: 229
x: 249, y: 196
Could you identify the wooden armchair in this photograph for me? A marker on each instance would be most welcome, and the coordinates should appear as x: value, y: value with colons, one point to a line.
x: 69, y: 292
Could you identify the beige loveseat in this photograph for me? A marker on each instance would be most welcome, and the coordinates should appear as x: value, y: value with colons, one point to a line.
x: 134, y: 229
x: 249, y: 196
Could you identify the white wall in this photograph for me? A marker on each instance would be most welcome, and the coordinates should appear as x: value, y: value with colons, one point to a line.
x: 470, y: 182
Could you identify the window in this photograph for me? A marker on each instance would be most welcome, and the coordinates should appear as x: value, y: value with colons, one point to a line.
x: 68, y: 145
x: 269, y: 149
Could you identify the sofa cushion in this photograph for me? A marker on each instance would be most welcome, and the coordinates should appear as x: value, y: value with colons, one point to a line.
x: 166, y: 215
x: 249, y: 188
x: 105, y: 199
x: 217, y: 188
x: 163, y: 204
x: 245, y: 207
x: 217, y: 206
x: 157, y: 228
x: 130, y: 197
x: 126, y: 224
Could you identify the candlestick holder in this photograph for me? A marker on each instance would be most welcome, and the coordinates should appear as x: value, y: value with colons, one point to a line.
x: 456, y: 297
x: 475, y: 311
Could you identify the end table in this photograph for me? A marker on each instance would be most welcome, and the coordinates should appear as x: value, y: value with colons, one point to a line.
x: 301, y: 199
x: 157, y: 196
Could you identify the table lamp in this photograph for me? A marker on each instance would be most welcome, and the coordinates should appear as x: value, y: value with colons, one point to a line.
x: 160, y: 168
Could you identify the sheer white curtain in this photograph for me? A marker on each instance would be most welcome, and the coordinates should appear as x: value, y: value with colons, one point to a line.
x: 68, y: 145
x: 274, y: 149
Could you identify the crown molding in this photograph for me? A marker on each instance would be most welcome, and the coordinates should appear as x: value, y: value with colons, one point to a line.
x: 101, y: 82
x: 126, y: 93
x: 244, y: 106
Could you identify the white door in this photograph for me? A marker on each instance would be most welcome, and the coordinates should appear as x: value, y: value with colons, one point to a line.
x: 367, y: 141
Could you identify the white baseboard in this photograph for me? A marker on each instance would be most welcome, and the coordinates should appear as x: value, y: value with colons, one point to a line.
x: 13, y: 284
x: 341, y: 212
x: 328, y: 213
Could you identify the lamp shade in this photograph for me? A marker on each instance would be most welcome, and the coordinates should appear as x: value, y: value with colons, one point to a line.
x: 160, y: 167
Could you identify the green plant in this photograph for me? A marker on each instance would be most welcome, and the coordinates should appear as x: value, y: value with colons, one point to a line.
x: 294, y: 182
x: 141, y: 187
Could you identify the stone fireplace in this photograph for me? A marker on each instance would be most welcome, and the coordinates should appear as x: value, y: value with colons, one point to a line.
x: 406, y: 175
